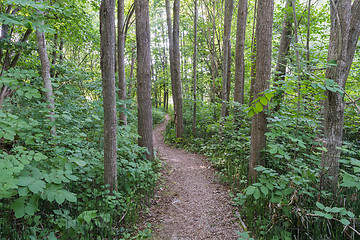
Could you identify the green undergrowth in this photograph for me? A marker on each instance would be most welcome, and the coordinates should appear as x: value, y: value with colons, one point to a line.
x: 287, y: 201
x: 51, y: 187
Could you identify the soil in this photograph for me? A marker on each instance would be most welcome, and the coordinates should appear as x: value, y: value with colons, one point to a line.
x: 191, y: 203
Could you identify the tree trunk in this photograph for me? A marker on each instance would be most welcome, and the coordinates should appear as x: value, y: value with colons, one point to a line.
x: 45, y: 73
x: 284, y: 47
x: 121, y: 62
x: 239, y: 55
x: 229, y: 7
x: 253, y: 56
x: 107, y: 62
x: 145, y: 121
x: 264, y: 24
x: 334, y: 103
x: 308, y: 35
x: 195, y: 68
x: 176, y: 89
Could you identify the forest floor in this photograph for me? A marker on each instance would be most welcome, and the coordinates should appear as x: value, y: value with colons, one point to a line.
x: 190, y: 203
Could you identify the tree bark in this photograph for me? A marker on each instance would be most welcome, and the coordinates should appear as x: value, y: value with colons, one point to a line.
x: 176, y: 85
x: 145, y: 121
x: 264, y: 25
x: 195, y: 67
x: 45, y: 73
x: 107, y: 62
x: 284, y: 48
x: 121, y: 62
x: 253, y: 56
x: 229, y: 7
x: 338, y: 54
x: 240, y: 49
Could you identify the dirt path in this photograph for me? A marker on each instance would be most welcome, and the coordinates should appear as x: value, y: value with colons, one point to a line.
x: 191, y: 204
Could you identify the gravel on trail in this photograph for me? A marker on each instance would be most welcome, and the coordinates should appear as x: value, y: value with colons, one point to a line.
x: 191, y: 203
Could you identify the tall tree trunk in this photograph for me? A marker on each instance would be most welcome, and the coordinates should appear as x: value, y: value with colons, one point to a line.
x: 171, y: 48
x: 253, y: 56
x: 229, y: 7
x: 298, y: 67
x: 145, y: 121
x: 240, y: 49
x: 334, y: 103
x: 45, y: 73
x: 308, y: 35
x: 121, y: 62
x: 284, y: 47
x: 195, y: 68
x: 107, y: 62
x: 264, y: 25
x: 177, y: 89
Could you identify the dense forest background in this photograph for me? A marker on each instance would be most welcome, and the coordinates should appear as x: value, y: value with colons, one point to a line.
x: 267, y: 91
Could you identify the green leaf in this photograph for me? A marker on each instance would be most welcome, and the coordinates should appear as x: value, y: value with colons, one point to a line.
x: 250, y: 190
x: 25, y: 180
x: 269, y: 95
x: 318, y: 213
x: 327, y: 209
x: 257, y: 194
x: 350, y: 214
x: 259, y: 107
x: 273, y: 150
x: 31, y: 207
x: 264, y: 190
x: 328, y: 216
x: 276, y: 199
x: 23, y: 191
x: 251, y: 113
x: 52, y: 236
x: 71, y: 197
x: 335, y: 210
x: 37, y: 186
x: 59, y: 198
x: 19, y: 207
x: 345, y: 221
x: 9, y: 136
x: 270, y: 186
x: 264, y: 101
x: 39, y: 157
x: 79, y: 162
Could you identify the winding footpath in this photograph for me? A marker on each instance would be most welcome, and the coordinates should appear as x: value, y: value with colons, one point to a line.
x: 191, y: 203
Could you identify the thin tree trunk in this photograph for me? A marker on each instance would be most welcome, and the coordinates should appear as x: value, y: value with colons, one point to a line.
x: 284, y: 48
x: 145, y: 121
x: 45, y: 73
x: 264, y: 25
x: 298, y: 67
x: 195, y: 67
x: 253, y: 56
x: 107, y: 62
x: 240, y: 50
x: 308, y: 35
x: 177, y: 91
x: 229, y: 7
x: 121, y: 62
